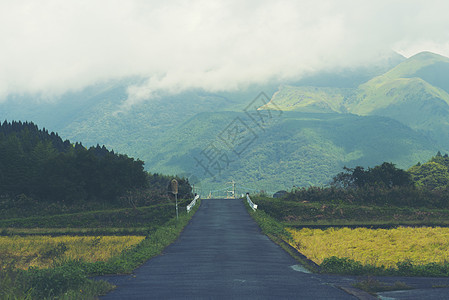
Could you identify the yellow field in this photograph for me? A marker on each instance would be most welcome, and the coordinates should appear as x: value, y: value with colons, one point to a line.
x: 42, y: 251
x: 374, y: 246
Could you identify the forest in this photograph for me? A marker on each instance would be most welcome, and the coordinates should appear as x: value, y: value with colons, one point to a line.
x: 38, y: 167
x: 423, y: 185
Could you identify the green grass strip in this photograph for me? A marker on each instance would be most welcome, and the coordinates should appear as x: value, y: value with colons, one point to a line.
x: 277, y: 233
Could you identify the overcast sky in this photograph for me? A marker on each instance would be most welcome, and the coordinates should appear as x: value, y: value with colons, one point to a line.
x: 50, y: 47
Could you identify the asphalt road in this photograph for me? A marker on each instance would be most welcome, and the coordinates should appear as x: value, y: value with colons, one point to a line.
x: 222, y: 254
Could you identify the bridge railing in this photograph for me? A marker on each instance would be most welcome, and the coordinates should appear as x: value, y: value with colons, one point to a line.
x: 251, y: 203
x: 192, y: 204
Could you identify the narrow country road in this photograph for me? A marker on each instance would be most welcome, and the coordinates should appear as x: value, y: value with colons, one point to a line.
x: 222, y: 254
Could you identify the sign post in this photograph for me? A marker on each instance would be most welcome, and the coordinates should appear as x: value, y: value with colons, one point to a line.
x: 174, y: 188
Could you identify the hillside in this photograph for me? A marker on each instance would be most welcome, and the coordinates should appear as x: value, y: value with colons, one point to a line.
x: 295, y: 149
x: 309, y: 99
x: 425, y: 65
x: 403, y: 95
x: 413, y: 93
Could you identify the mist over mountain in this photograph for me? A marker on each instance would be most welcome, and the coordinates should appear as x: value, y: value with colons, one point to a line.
x: 49, y: 49
x: 394, y: 112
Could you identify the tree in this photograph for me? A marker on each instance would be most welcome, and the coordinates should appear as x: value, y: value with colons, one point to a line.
x: 389, y: 176
x: 385, y: 175
x: 430, y: 175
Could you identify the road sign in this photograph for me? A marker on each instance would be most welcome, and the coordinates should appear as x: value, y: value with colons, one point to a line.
x: 174, y: 186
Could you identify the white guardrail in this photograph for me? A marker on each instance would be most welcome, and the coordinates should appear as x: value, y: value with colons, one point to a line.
x: 251, y: 203
x: 192, y: 204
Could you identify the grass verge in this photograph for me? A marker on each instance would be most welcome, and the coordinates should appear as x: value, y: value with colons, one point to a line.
x: 277, y: 233
x: 347, y: 266
x: 374, y: 286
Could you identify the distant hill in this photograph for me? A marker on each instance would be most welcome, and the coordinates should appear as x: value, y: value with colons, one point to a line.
x: 402, y: 94
x: 413, y: 93
x: 295, y: 149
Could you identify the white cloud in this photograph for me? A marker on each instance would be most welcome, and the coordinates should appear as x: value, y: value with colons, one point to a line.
x: 50, y: 47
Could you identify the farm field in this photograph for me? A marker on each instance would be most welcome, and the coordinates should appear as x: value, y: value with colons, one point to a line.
x: 51, y: 256
x: 42, y: 251
x: 383, y: 248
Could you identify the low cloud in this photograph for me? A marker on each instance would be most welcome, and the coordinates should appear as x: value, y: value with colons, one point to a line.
x: 51, y: 47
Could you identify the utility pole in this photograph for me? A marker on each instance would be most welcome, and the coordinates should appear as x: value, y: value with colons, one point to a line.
x: 233, y: 190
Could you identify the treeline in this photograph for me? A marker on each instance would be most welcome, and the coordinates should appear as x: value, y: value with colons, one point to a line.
x: 432, y: 175
x: 423, y: 185
x: 38, y: 166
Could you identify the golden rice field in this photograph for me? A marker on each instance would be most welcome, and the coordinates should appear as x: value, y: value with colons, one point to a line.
x: 42, y: 251
x: 374, y: 246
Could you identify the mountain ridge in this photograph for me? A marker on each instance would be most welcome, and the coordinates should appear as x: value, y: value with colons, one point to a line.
x: 399, y: 94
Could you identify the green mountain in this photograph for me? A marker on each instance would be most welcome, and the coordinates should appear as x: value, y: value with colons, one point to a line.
x: 404, y: 94
x: 415, y: 93
x: 294, y: 148
x: 425, y: 65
